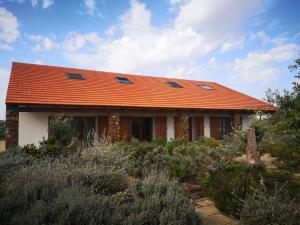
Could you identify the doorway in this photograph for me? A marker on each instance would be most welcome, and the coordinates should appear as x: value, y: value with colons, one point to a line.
x: 141, y: 128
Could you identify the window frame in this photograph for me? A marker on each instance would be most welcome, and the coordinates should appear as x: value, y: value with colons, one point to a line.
x: 174, y: 84
x: 122, y: 79
x: 70, y: 76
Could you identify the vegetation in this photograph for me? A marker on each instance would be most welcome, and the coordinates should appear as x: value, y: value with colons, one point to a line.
x: 63, y: 181
x: 2, y: 133
x: 90, y: 186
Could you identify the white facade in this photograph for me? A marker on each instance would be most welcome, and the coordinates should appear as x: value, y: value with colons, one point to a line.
x: 33, y: 127
x: 206, y: 126
x: 170, y: 128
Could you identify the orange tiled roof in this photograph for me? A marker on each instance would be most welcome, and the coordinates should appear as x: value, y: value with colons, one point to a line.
x: 41, y: 84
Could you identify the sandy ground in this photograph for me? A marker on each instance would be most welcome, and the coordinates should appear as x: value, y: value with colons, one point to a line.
x: 2, y: 146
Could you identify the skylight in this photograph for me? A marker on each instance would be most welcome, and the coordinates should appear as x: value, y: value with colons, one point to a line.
x: 123, y: 80
x: 205, y: 87
x: 75, y: 76
x: 174, y: 84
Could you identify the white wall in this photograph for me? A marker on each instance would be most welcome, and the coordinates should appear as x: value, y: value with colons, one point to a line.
x: 33, y: 126
x: 170, y: 128
x: 206, y: 126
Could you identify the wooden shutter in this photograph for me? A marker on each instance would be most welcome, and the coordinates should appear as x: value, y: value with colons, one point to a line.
x: 102, y: 126
x: 125, y: 128
x: 199, y: 127
x: 161, y: 127
x: 214, y: 127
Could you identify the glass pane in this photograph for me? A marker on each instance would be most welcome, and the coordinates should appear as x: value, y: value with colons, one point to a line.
x: 88, y: 125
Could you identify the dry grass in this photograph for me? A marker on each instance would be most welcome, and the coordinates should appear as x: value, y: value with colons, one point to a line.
x: 2, y: 146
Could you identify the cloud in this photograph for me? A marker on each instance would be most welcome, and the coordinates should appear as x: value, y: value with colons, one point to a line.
x: 266, y: 39
x: 233, y: 44
x: 262, y: 66
x: 44, y: 3
x: 141, y: 47
x: 47, y: 3
x: 8, y: 28
x: 4, y: 76
x: 75, y: 41
x: 91, y: 7
x: 43, y: 43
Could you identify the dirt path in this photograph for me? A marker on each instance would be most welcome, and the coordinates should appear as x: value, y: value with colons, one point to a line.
x: 205, y: 206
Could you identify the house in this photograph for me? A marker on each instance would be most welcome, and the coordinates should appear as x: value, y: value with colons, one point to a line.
x: 121, y: 106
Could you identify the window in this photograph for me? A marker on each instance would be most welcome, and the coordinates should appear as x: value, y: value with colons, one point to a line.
x: 205, y: 87
x: 82, y: 127
x: 74, y: 76
x: 123, y: 80
x: 224, y: 126
x: 174, y: 84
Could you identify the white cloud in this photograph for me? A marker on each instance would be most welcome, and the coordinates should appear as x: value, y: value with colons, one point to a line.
x: 262, y: 66
x: 214, y: 18
x: 42, y: 43
x: 266, y: 39
x: 44, y: 3
x: 6, y: 47
x: 47, y: 3
x: 8, y: 28
x: 75, y: 41
x: 4, y: 76
x: 233, y: 44
x: 142, y: 47
x: 91, y: 7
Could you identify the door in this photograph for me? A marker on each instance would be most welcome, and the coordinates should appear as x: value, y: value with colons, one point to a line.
x: 161, y: 127
x: 199, y: 127
x: 214, y: 127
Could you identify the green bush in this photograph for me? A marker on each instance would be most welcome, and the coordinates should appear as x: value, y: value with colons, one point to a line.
x: 2, y: 133
x: 287, y: 153
x: 88, y: 187
x: 230, y: 182
x: 263, y: 208
x: 179, y: 159
x: 291, y: 183
x: 208, y: 142
x: 159, y: 201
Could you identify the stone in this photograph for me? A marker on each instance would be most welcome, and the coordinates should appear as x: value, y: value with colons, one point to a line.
x: 12, y: 127
x: 183, y: 126
x: 253, y: 155
x: 114, y: 126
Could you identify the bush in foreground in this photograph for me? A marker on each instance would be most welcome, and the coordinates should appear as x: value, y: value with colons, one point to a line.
x: 87, y: 187
x: 230, y: 183
x: 262, y: 208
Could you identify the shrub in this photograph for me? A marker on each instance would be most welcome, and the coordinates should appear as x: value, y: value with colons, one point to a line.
x: 170, y: 145
x: 159, y: 201
x: 287, y: 153
x: 2, y: 133
x: 230, y: 182
x: 208, y: 142
x: 263, y: 208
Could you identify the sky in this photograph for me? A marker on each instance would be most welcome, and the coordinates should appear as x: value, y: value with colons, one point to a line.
x: 245, y: 45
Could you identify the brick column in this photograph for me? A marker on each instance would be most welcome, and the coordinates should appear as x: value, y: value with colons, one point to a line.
x: 236, y: 121
x: 12, y: 127
x: 183, y: 126
x: 253, y: 155
x: 114, y: 126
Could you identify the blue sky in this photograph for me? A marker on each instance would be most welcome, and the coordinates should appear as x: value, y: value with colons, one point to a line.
x: 246, y: 45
